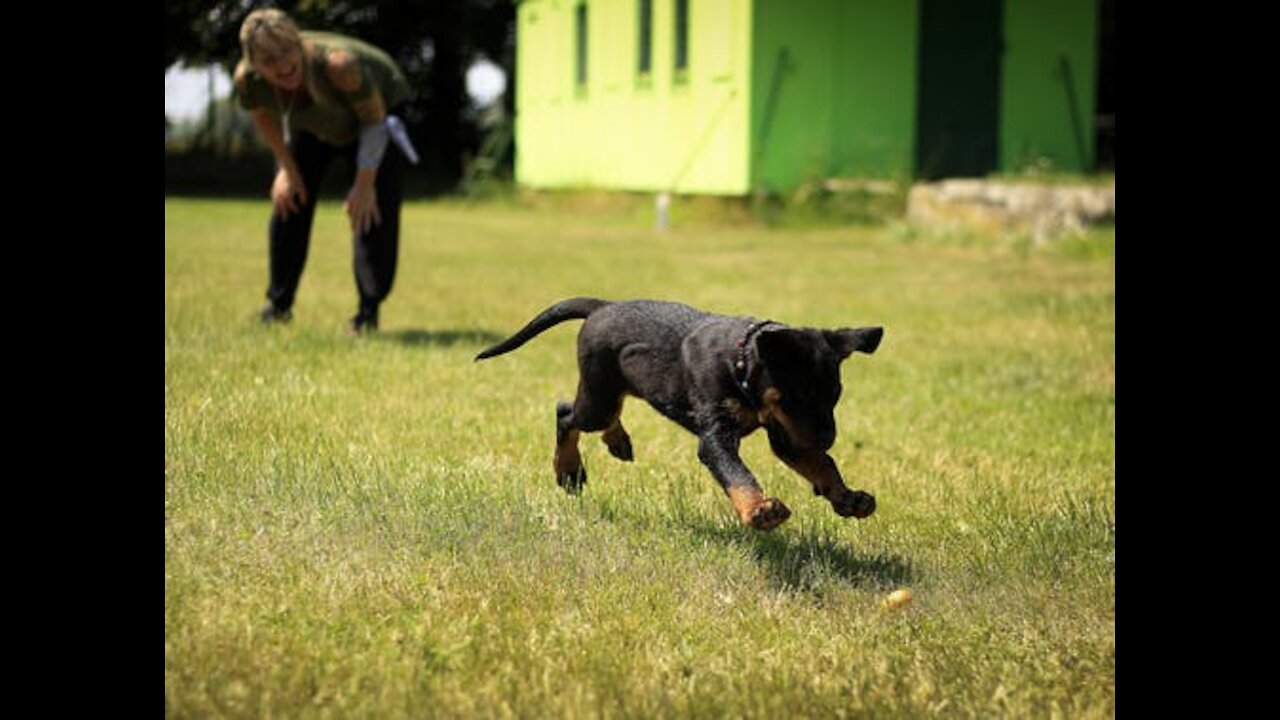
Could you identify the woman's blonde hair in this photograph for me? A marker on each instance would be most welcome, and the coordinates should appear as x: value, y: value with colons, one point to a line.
x: 269, y: 32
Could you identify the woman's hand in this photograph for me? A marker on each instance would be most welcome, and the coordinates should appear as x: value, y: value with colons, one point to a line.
x: 362, y: 207
x: 288, y: 194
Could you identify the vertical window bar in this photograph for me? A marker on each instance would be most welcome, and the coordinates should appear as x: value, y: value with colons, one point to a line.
x: 580, y: 68
x: 644, y: 63
x: 682, y: 35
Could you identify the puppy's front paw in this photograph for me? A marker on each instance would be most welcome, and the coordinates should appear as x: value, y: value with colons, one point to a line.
x: 768, y: 515
x: 572, y: 479
x: 854, y: 503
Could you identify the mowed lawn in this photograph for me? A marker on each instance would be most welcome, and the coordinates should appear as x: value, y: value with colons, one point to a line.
x: 370, y: 527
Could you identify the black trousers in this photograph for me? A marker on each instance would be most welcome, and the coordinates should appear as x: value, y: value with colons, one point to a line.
x: 375, y: 252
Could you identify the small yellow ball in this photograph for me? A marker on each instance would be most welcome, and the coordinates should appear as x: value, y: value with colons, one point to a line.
x: 898, y: 599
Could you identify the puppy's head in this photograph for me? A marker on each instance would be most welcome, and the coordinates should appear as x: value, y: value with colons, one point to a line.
x: 803, y: 383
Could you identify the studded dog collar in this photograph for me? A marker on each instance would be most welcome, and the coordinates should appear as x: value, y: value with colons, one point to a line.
x: 741, y: 362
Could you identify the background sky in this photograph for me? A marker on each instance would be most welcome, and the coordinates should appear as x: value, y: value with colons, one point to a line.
x: 186, y: 91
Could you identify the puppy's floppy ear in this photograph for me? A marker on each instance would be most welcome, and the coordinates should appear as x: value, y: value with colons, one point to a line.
x: 847, y: 340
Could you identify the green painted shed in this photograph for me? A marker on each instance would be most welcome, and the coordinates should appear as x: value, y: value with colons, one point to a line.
x: 736, y: 96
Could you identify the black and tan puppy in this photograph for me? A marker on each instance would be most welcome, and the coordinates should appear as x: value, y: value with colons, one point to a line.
x: 719, y: 377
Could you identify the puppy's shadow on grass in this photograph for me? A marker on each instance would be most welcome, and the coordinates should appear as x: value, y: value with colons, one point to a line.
x: 418, y: 337
x: 807, y: 559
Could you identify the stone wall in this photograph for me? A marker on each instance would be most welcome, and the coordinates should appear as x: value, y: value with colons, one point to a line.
x: 1042, y: 211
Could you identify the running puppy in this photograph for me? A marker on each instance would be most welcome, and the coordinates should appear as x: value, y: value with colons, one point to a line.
x: 720, y: 378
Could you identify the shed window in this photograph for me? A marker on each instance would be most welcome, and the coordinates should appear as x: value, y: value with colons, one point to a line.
x: 580, y: 45
x: 682, y: 36
x: 644, y: 60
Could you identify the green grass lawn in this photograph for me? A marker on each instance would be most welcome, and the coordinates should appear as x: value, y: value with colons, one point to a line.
x: 370, y: 527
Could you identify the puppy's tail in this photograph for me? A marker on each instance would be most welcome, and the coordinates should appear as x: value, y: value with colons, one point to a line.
x: 572, y: 309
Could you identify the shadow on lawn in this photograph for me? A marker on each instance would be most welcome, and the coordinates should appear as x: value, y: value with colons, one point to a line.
x: 794, y: 559
x: 415, y: 337
x: 801, y: 561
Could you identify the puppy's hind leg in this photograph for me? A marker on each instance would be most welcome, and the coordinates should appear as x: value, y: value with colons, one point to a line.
x: 596, y: 408
x: 615, y: 438
x: 570, y: 473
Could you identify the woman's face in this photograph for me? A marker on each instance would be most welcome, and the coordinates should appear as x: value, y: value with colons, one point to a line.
x: 284, y: 70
